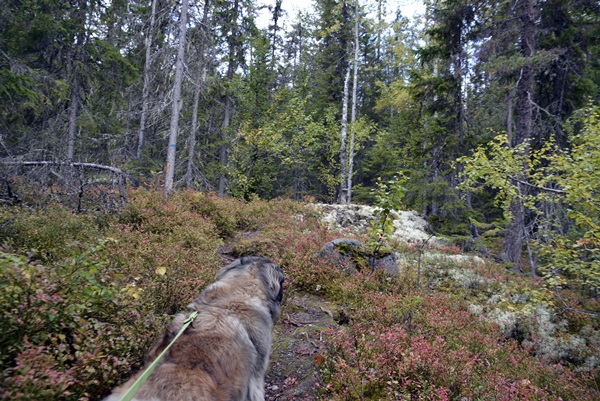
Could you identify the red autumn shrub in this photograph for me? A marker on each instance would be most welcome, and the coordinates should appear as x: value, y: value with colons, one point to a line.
x: 66, y: 329
x: 437, y: 351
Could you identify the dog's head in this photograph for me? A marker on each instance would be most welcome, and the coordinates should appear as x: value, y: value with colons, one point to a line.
x: 266, y: 272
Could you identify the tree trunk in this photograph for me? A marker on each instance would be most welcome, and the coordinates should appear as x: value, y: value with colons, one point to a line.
x: 509, y: 114
x: 277, y: 11
x: 513, y: 238
x: 515, y: 231
x: 200, y: 78
x: 353, y: 118
x: 233, y: 41
x: 146, y: 88
x: 173, y: 130
x: 223, y: 152
x: 73, y: 107
x: 343, y: 147
x: 526, y: 83
x: 76, y: 59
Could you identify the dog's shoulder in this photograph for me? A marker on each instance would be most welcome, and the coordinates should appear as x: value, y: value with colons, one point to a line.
x: 172, y: 329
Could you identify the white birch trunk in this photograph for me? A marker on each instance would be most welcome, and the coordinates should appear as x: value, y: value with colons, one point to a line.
x: 343, y: 147
x: 353, y: 118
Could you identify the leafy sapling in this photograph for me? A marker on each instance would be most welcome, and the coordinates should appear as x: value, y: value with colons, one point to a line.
x: 388, y: 197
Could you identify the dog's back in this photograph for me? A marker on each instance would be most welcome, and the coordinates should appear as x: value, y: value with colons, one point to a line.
x: 223, y: 355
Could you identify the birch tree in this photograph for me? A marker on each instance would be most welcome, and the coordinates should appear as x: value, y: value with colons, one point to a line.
x: 353, y: 117
x: 343, y: 148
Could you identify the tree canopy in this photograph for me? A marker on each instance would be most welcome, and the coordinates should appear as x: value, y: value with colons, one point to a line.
x: 259, y: 110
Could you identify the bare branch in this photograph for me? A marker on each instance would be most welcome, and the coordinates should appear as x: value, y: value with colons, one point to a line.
x: 50, y: 163
x: 552, y: 190
x: 121, y: 176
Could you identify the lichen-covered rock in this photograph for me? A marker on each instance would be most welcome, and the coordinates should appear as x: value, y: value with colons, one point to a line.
x: 409, y: 226
x: 353, y: 256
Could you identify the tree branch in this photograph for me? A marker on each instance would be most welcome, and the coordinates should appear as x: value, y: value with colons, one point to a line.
x: 50, y: 163
x: 552, y: 190
x: 118, y: 172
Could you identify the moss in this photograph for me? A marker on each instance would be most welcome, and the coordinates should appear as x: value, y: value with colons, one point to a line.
x: 363, y: 255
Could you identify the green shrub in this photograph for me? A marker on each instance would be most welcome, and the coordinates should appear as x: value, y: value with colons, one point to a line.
x: 67, y: 329
x: 167, y: 253
x: 47, y: 232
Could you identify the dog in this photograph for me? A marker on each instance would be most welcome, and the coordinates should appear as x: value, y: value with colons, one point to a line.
x: 224, y: 354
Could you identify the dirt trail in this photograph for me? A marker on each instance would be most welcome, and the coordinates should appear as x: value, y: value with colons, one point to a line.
x: 298, y: 348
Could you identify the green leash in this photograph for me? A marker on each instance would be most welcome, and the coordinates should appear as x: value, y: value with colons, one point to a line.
x: 128, y: 396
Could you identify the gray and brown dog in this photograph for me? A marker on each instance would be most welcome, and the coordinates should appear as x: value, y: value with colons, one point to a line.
x: 224, y: 354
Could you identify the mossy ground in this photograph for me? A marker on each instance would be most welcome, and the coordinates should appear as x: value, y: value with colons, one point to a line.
x: 298, y: 348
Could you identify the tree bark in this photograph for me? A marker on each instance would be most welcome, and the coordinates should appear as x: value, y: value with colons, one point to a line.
x: 73, y: 108
x: 353, y: 118
x: 173, y: 131
x: 512, y: 248
x: 224, y: 151
x: 77, y: 58
x: 146, y: 88
x: 343, y: 147
x: 509, y: 114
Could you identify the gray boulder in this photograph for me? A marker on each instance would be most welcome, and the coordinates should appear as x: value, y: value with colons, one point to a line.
x: 353, y: 256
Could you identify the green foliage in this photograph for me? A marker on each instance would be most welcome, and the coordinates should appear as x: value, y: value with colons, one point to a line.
x: 388, y: 198
x: 12, y: 85
x: 47, y: 232
x: 499, y: 166
x: 67, y: 329
x: 547, y: 176
x: 285, y: 152
x: 577, y: 253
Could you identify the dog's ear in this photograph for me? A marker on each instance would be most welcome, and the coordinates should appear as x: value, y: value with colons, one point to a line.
x: 272, y: 277
x: 236, y: 264
x: 275, y: 278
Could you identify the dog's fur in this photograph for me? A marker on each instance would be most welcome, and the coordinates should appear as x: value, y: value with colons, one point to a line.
x: 223, y: 355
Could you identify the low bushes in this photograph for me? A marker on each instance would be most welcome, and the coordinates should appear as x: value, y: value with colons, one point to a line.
x: 437, y: 351
x: 68, y: 331
x: 78, y: 313
x: 82, y: 302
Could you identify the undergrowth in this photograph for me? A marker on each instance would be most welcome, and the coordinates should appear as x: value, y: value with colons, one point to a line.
x: 84, y: 296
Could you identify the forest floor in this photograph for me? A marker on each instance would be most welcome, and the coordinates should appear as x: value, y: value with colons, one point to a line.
x: 302, y: 333
x: 298, y: 348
